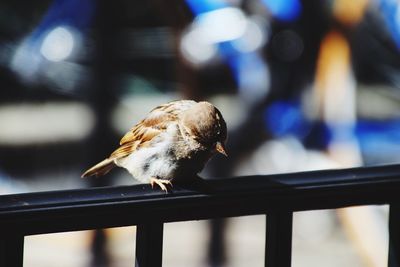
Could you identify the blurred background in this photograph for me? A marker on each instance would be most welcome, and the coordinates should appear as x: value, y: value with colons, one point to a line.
x: 302, y: 85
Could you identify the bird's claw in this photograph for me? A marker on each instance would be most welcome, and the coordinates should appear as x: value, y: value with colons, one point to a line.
x: 161, y: 183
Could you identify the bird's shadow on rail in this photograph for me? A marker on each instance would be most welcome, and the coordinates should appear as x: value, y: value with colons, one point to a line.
x: 223, y: 185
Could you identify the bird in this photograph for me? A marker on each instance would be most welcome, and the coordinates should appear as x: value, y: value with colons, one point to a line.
x: 175, y: 140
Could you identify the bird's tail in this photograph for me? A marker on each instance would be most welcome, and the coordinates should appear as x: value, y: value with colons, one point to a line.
x: 100, y: 168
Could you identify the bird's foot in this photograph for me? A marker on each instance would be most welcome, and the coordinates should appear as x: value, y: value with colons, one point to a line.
x: 161, y: 183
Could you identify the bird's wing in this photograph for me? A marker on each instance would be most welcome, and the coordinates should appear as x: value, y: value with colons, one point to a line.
x: 154, y: 124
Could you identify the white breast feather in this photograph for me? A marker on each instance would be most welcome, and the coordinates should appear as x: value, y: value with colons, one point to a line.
x: 152, y: 161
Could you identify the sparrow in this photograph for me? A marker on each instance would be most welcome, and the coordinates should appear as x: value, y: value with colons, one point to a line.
x: 175, y: 140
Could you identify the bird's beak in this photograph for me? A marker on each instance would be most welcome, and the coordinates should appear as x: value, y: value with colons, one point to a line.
x: 221, y: 149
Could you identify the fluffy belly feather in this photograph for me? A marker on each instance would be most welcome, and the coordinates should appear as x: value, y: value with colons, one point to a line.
x: 150, y: 162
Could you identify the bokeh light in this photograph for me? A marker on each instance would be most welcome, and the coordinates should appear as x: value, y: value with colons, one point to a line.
x: 58, y: 44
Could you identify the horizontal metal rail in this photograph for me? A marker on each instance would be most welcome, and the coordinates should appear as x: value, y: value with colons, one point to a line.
x: 56, y: 211
x: 276, y: 195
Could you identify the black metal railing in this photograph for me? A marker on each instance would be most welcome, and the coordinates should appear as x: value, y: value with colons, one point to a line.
x: 277, y: 196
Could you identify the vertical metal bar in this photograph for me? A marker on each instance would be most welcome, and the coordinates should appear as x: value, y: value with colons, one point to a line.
x: 99, y: 254
x: 217, y: 246
x: 278, y: 247
x: 12, y: 250
x: 149, y: 244
x: 394, y: 235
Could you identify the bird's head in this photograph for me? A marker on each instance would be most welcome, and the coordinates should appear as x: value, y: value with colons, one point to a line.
x: 205, y: 124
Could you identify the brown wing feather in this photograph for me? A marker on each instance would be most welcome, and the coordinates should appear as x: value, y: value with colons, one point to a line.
x: 124, y: 150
